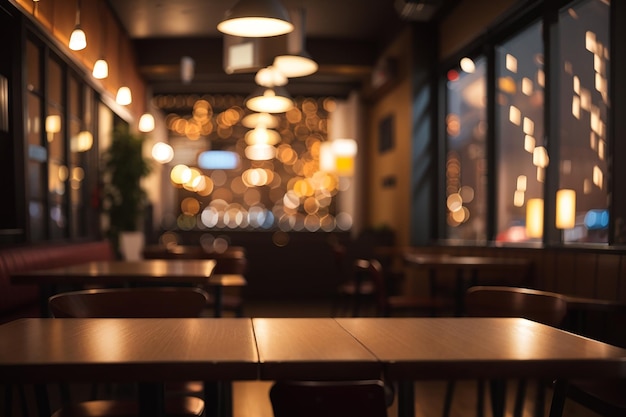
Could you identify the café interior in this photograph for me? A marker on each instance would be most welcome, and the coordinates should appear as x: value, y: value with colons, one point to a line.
x: 369, y: 159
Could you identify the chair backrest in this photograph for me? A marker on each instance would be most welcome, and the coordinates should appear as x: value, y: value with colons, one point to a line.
x: 498, y: 301
x: 329, y: 399
x: 154, y: 302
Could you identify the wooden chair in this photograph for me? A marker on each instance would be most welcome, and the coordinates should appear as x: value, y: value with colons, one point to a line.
x: 391, y: 304
x: 232, y: 262
x: 329, y: 399
x: 356, y: 292
x: 149, y: 302
x: 601, y: 320
x: 498, y: 301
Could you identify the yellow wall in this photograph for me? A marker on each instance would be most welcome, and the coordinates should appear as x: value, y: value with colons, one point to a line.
x: 390, y: 206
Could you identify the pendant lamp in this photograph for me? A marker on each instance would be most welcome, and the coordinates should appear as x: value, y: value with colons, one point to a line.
x: 78, y: 40
x: 296, y: 61
x: 269, y: 100
x: 101, y: 66
x: 256, y: 19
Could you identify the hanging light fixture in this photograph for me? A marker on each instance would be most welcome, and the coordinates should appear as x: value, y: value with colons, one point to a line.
x: 256, y: 18
x: 296, y: 62
x: 269, y: 100
x: 78, y: 40
x: 253, y: 120
x: 101, y: 66
x: 124, y: 96
x: 146, y: 123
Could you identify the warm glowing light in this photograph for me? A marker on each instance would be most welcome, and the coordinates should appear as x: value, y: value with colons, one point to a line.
x: 293, y: 66
x: 255, y: 119
x: 53, y: 124
x: 534, y: 218
x: 78, y: 40
x: 467, y: 65
x: 527, y: 86
x: 260, y: 152
x: 124, y: 96
x: 521, y: 182
x: 529, y: 143
x: 81, y: 142
x: 146, y: 123
x: 515, y: 115
x: 262, y: 136
x: 529, y: 126
x: 270, y: 100
x: 511, y: 63
x: 162, y: 152
x: 454, y: 202
x: 252, y: 27
x: 270, y: 77
x: 598, y: 177
x: 518, y: 198
x: 100, y: 69
x: 565, y: 209
x: 540, y: 157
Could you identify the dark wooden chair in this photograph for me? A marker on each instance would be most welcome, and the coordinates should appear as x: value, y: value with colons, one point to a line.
x: 357, y: 292
x: 499, y: 301
x: 603, y: 320
x: 329, y: 399
x: 389, y: 304
x: 150, y: 302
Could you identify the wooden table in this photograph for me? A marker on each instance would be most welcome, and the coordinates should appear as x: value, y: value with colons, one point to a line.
x: 145, y: 272
x: 467, y: 270
x: 148, y: 351
x: 313, y: 349
x: 474, y: 348
x: 226, y: 349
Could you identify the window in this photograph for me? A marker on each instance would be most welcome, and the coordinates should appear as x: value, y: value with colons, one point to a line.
x: 466, y: 157
x: 584, y: 78
x: 521, y: 155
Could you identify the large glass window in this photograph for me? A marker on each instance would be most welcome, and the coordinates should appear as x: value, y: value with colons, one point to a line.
x: 583, y: 73
x: 521, y: 155
x: 466, y: 158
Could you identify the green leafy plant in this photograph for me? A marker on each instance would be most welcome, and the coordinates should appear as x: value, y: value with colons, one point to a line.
x: 124, y: 167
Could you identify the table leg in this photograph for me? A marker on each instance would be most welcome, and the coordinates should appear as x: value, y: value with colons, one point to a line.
x: 406, y: 400
x: 151, y: 399
x: 43, y: 403
x: 217, y: 308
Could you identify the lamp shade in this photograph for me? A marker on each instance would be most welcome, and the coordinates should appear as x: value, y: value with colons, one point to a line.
x: 293, y: 66
x: 565, y: 209
x: 256, y: 18
x: 124, y: 96
x: 534, y: 218
x: 269, y: 100
x: 255, y: 119
x: 100, y: 69
x: 78, y: 40
x: 146, y: 123
x: 296, y: 61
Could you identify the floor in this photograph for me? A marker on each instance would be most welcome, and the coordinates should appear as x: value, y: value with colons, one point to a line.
x: 251, y: 399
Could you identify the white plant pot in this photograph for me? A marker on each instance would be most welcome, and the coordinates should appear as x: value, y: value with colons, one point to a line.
x: 131, y: 245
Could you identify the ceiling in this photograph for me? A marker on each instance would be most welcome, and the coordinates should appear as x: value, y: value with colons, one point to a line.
x: 343, y: 36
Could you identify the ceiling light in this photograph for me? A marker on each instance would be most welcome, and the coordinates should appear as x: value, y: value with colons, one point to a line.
x: 260, y: 152
x: 100, y: 69
x: 78, y: 40
x: 270, y: 77
x: 295, y: 65
x: 255, y: 119
x: 270, y: 100
x: 296, y: 62
x: 146, y: 123
x: 262, y: 136
x: 256, y: 18
x: 124, y: 96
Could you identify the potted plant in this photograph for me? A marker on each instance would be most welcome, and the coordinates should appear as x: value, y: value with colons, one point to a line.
x: 124, y: 197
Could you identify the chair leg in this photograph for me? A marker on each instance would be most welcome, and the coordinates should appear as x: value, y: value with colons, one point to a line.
x: 520, y: 396
x: 447, y: 401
